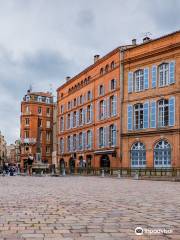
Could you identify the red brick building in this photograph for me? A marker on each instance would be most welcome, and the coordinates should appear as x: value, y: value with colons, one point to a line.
x: 123, y: 110
x: 36, y: 127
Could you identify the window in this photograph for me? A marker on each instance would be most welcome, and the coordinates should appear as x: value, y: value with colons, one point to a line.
x: 112, y: 65
x: 101, y: 109
x: 68, y: 121
x: 163, y: 74
x: 27, y: 110
x: 106, y: 68
x: 69, y: 143
x: 139, y: 80
x: 69, y: 105
x: 162, y: 154
x: 89, y: 139
x: 88, y: 113
x: 47, y: 100
x: 138, y: 155
x: 27, y: 121
x: 40, y: 137
x: 80, y: 140
x: 61, y: 145
x: 26, y: 134
x: 62, y: 109
x: 113, y: 106
x: 101, y: 90
x: 39, y: 122
x: 61, y: 124
x: 39, y: 99
x: 27, y: 98
x: 74, y: 119
x: 81, y: 99
x: 89, y: 95
x: 101, y: 71
x: 74, y: 142
x: 112, y: 135
x: 138, y: 116
x: 163, y: 113
x: 81, y: 116
x: 48, y: 149
x: 48, y: 136
x: 101, y: 137
x: 113, y: 84
x: 48, y: 111
x: 39, y: 110
x: 75, y: 102
x: 48, y: 124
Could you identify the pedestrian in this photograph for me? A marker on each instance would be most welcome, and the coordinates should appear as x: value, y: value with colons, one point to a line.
x: 30, y: 163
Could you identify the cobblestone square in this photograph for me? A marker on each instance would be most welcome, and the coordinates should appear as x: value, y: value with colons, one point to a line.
x: 87, y: 208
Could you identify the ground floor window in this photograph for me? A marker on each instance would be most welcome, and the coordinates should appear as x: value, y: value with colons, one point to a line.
x: 138, y: 155
x: 162, y: 154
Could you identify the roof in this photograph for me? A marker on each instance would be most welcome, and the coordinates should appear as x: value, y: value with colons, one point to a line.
x: 43, y: 94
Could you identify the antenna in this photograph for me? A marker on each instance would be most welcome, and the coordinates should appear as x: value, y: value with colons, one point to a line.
x: 146, y: 34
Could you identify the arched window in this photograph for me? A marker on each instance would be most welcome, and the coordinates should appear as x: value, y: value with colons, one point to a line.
x: 61, y: 124
x: 89, y: 139
x: 80, y: 140
x: 101, y: 71
x: 163, y: 113
x: 89, y: 95
x: 112, y: 65
x: 138, y: 116
x: 101, y: 109
x: 106, y: 68
x: 139, y: 80
x: 101, y: 90
x: 162, y: 154
x: 89, y: 112
x: 61, y: 145
x: 74, y: 119
x: 138, y: 155
x: 101, y: 137
x: 163, y: 74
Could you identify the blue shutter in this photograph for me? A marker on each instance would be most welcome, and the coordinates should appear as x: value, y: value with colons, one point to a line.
x: 91, y: 139
x: 146, y: 78
x: 71, y: 120
x: 130, y: 82
x: 172, y: 72
x: 104, y: 109
x: 104, y: 136
x: 146, y: 115
x: 91, y: 113
x: 107, y: 136
x: 115, y: 105
x: 97, y: 112
x: 77, y: 118
x: 115, y: 136
x: 62, y: 145
x: 130, y: 117
x: 84, y: 140
x: 172, y: 111
x: 71, y: 143
x: 154, y: 76
x: 97, y: 139
x: 108, y: 112
x: 85, y: 115
x: 153, y: 115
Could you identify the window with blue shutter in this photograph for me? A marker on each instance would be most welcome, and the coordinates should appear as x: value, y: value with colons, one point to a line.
x: 84, y: 140
x: 115, y: 105
x: 104, y: 136
x: 104, y: 110
x: 114, y: 135
x: 97, y: 139
x: 91, y: 139
x: 153, y: 115
x: 108, y: 107
x: 130, y: 117
x: 91, y: 113
x: 154, y: 76
x: 172, y: 72
x: 146, y: 78
x: 172, y: 111
x: 71, y: 120
x: 77, y: 119
x: 85, y: 115
x: 146, y: 115
x: 107, y: 136
x: 98, y: 110
x: 130, y: 82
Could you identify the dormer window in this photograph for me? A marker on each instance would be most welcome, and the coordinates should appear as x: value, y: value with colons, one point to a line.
x: 27, y: 98
x: 47, y: 100
x: 101, y: 71
x: 39, y: 99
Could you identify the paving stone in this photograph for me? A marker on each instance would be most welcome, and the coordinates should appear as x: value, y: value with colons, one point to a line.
x: 87, y: 208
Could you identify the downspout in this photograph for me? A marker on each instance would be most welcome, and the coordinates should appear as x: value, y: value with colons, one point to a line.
x: 121, y: 52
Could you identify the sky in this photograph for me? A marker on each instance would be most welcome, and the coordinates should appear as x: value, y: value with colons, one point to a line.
x: 43, y: 41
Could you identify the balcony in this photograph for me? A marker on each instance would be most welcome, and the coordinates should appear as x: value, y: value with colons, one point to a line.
x: 28, y: 140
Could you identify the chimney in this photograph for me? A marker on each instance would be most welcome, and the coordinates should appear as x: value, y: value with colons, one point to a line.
x: 96, y: 58
x: 133, y: 41
x: 68, y: 78
x: 146, y: 39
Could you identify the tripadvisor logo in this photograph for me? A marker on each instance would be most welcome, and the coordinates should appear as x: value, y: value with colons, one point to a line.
x: 139, y: 231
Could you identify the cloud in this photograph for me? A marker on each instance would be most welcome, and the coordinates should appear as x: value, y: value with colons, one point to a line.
x: 43, y: 41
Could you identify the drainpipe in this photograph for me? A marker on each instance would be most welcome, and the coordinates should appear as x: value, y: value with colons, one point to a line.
x: 121, y: 52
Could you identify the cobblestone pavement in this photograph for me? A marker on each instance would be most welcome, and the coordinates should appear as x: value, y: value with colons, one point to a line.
x: 87, y: 208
